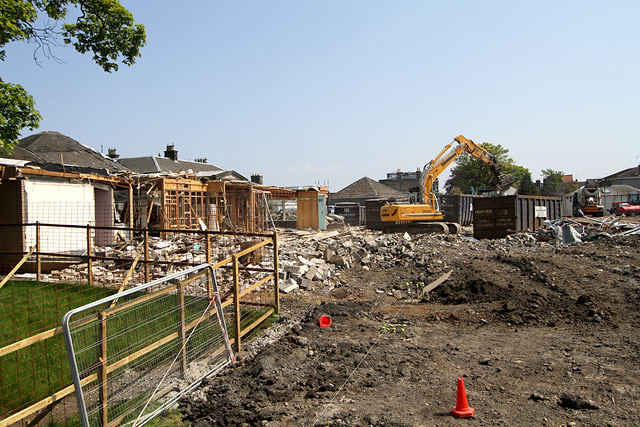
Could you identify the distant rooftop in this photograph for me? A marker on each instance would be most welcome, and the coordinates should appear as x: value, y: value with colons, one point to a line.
x: 367, y: 188
x: 53, y: 148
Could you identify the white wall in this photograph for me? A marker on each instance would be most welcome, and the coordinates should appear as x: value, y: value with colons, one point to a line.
x: 59, y: 202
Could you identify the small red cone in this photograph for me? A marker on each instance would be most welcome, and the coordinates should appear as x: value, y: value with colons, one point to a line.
x: 462, y: 409
x: 325, y: 321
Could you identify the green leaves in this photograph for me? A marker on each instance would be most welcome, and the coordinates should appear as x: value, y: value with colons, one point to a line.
x: 103, y: 27
x: 17, y: 111
x: 470, y: 174
x: 108, y: 30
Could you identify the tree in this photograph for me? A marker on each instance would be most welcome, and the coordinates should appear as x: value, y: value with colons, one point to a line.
x: 526, y: 186
x: 551, y: 181
x: 102, y: 27
x: 469, y: 174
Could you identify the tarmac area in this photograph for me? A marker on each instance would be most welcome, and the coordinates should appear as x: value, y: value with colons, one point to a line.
x: 542, y: 334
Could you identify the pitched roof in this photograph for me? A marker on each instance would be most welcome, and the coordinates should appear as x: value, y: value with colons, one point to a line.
x: 54, y: 148
x: 626, y: 173
x: 369, y: 189
x: 154, y: 164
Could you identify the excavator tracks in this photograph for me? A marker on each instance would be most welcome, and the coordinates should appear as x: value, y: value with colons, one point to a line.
x: 433, y: 227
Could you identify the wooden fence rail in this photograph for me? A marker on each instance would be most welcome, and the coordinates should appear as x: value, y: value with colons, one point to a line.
x: 107, y: 366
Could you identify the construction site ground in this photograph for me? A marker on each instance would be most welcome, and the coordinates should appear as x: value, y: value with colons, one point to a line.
x: 542, y: 335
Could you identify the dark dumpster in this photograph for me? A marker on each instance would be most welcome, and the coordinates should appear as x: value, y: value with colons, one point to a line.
x: 457, y: 208
x: 373, y: 206
x: 350, y: 211
x: 496, y: 217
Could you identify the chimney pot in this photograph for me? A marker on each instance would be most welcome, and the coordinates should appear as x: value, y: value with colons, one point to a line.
x: 171, y: 153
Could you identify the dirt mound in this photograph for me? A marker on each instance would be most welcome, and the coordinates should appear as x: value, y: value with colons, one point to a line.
x: 536, y: 330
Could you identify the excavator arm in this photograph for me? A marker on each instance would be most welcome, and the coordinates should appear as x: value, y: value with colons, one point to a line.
x: 425, y: 215
x: 435, y: 167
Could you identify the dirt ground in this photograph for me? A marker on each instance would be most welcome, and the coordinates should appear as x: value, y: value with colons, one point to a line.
x: 542, y: 335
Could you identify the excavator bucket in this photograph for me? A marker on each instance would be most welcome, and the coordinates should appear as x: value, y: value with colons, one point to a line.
x: 500, y: 180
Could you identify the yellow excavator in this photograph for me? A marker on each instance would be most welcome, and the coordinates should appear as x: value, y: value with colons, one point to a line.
x: 426, y: 216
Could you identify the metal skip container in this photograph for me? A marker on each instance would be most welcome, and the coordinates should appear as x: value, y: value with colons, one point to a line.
x: 497, y: 217
x: 457, y: 208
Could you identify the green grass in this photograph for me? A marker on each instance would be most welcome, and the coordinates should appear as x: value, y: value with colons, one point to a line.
x: 33, y: 373
x: 27, y: 308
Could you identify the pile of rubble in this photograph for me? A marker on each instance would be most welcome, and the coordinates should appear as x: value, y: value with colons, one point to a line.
x: 168, y: 256
x: 313, y: 260
x: 316, y: 261
x: 569, y: 231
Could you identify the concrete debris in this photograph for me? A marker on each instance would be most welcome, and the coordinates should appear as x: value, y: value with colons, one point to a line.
x: 567, y: 231
x: 313, y: 260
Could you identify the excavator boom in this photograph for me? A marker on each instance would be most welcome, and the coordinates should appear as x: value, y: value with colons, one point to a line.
x: 428, y: 209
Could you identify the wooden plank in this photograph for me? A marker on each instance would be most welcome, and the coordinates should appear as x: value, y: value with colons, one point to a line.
x: 276, y: 272
x: 89, y: 260
x: 127, y: 277
x: 254, y: 247
x: 29, y: 341
x: 140, y: 300
x: 18, y: 265
x: 43, y: 414
x: 192, y: 278
x: 257, y: 322
x: 258, y: 284
x: 440, y: 280
x: 131, y: 207
x: 207, y: 251
x: 146, y: 256
x: 38, y: 258
x: 125, y: 361
x: 45, y: 402
x: 222, y: 263
x: 236, y: 301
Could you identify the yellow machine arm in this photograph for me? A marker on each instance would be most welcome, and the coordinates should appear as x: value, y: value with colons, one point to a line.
x: 428, y: 209
x: 436, y: 166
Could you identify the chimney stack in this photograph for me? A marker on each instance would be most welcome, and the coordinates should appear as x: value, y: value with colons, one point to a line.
x: 113, y: 153
x: 171, y: 153
x: 256, y: 179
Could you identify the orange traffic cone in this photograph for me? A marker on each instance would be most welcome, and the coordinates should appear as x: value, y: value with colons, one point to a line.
x: 462, y: 409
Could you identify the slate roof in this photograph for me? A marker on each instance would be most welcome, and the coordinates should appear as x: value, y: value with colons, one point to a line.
x: 367, y: 188
x: 54, y: 148
x: 626, y: 173
x: 155, y: 164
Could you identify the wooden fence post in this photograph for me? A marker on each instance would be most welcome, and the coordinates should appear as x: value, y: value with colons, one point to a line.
x: 276, y: 282
x: 146, y: 255
x: 38, y: 260
x: 181, y: 326
x: 207, y: 248
x: 89, y: 260
x: 236, y: 300
x: 103, y: 395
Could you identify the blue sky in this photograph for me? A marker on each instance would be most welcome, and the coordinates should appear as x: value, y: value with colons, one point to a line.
x: 307, y: 92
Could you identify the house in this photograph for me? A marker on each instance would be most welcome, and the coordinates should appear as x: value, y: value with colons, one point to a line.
x: 365, y: 189
x: 405, y: 182
x: 171, y: 165
x: 630, y: 176
x: 54, y: 151
x: 31, y: 195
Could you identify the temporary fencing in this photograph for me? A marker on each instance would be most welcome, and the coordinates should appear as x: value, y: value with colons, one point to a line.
x: 35, y: 381
x: 130, y: 352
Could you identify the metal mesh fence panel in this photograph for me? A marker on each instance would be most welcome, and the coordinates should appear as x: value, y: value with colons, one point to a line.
x: 35, y: 380
x: 130, y: 352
